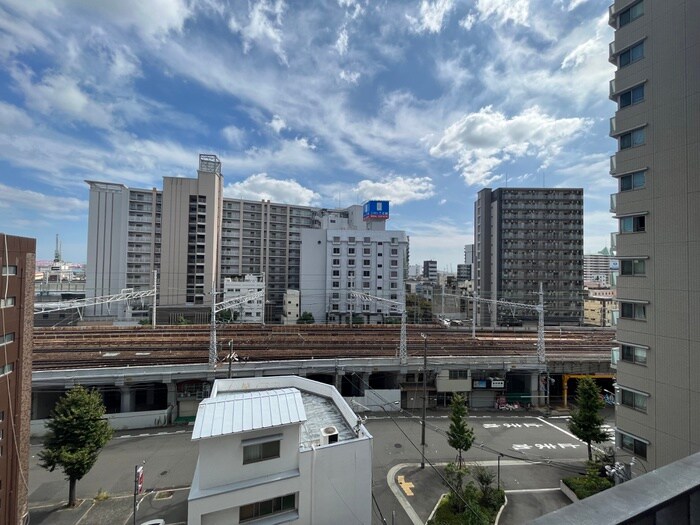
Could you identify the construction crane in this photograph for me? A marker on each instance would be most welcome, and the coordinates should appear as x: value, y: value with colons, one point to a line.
x: 400, y: 308
x: 127, y: 294
x: 226, y: 304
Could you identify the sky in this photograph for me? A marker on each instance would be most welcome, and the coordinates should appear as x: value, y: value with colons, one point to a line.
x: 422, y: 103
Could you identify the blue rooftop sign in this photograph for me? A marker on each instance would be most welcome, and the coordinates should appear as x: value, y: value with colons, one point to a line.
x: 375, y: 210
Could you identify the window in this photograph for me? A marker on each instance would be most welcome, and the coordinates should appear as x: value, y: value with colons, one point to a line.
x: 365, y: 284
x: 336, y: 284
x: 266, y: 508
x: 367, y: 240
x: 336, y: 240
x: 9, y: 270
x: 366, y: 262
x: 261, y: 451
x: 632, y: 267
x: 6, y: 369
x: 394, y: 263
x: 365, y: 307
x: 6, y: 303
x: 630, y: 14
x: 633, y: 181
x: 336, y: 251
x: 336, y: 262
x: 393, y: 296
x: 366, y: 273
x: 632, y: 399
x: 633, y: 311
x: 351, y: 251
x: 633, y: 445
x: 459, y: 374
x: 336, y: 273
x: 351, y: 273
x: 394, y: 275
x: 633, y: 354
x: 8, y: 338
x: 631, y: 96
x: 632, y: 224
x: 394, y: 252
x: 334, y: 307
x: 351, y: 262
x: 632, y: 139
x: 631, y: 55
x: 352, y: 240
x: 366, y: 251
x: 393, y: 285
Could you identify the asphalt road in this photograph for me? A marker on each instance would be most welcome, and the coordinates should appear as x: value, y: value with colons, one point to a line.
x: 170, y: 459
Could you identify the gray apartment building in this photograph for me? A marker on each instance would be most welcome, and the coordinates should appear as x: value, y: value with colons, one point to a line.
x: 523, y: 237
x: 193, y: 237
x: 353, y: 253
x: 657, y: 166
x: 430, y: 271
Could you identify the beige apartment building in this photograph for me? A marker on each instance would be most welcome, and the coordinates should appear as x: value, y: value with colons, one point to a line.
x: 657, y: 164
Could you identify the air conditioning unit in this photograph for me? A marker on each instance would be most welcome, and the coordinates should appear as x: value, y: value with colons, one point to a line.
x: 329, y: 435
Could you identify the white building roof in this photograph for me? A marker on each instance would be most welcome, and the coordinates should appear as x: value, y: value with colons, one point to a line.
x: 234, y: 412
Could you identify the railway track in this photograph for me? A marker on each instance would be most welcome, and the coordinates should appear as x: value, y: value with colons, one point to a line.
x: 82, y: 347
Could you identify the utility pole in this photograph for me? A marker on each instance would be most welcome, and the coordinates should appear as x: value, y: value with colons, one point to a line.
x: 212, y: 328
x: 155, y: 295
x: 230, y: 356
x: 425, y: 392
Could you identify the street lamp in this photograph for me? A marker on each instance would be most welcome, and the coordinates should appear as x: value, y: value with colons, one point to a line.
x: 425, y: 373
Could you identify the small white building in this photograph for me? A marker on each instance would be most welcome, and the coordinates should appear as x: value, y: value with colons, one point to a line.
x: 251, y: 311
x: 290, y: 312
x: 278, y: 450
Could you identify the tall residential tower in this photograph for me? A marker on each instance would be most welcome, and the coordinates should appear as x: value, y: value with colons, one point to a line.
x: 657, y: 166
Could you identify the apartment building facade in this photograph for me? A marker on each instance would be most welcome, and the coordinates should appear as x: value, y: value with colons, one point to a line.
x: 657, y: 165
x: 600, y: 269
x: 524, y: 236
x: 17, y: 263
x: 353, y: 253
x: 430, y: 271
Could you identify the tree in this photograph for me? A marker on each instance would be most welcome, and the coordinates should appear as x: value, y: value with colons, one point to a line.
x: 306, y: 318
x: 586, y: 421
x: 77, y: 433
x: 460, y: 436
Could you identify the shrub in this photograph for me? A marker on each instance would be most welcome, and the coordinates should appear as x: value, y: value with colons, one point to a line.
x: 584, y: 486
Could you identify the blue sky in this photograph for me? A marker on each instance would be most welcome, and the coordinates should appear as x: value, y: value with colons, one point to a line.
x: 317, y: 103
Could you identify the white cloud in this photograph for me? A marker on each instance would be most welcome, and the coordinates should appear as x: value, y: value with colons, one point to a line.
x: 351, y: 77
x: 305, y: 143
x: 233, y: 135
x: 468, y: 21
x: 575, y: 3
x: 484, y: 140
x: 13, y: 119
x: 277, y: 123
x: 504, y: 11
x: 264, y: 27
x: 54, y: 206
x: 396, y: 189
x: 354, y: 8
x: 260, y: 186
x: 58, y: 93
x: 341, y: 45
x: 432, y: 16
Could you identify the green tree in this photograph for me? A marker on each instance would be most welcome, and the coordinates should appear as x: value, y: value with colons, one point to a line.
x: 460, y: 436
x: 586, y: 422
x: 77, y: 433
x: 306, y: 318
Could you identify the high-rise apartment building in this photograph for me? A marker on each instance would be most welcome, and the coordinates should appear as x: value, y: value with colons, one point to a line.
x: 599, y: 269
x: 352, y: 251
x: 17, y: 261
x: 430, y: 271
x: 191, y: 236
x: 527, y: 236
x: 657, y: 165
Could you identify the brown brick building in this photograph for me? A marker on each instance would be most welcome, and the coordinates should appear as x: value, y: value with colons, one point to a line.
x: 17, y: 262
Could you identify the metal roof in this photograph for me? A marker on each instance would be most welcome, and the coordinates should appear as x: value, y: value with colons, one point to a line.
x: 234, y: 412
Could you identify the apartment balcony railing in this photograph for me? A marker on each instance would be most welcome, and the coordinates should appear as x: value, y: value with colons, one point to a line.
x: 612, y: 58
x: 613, y: 242
x: 134, y: 228
x: 613, y: 164
x: 613, y: 126
x: 612, y: 16
x: 613, y: 203
x: 613, y: 89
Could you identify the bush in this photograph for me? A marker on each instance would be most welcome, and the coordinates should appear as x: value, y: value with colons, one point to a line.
x: 584, y: 486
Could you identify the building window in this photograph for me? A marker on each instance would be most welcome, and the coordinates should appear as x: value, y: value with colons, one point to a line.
x: 632, y: 399
x: 365, y: 307
x: 6, y: 369
x: 630, y: 14
x: 394, y: 252
x: 352, y: 241
x: 633, y: 267
x: 351, y: 262
x: 336, y: 262
x: 6, y: 303
x: 393, y: 296
x: 631, y: 55
x: 632, y: 139
x: 351, y: 251
x: 366, y: 262
x: 633, y: 354
x: 394, y: 275
x: 459, y: 374
x: 7, y: 338
x: 336, y: 251
x: 631, y: 96
x: 261, y: 451
x: 336, y: 284
x: 633, y: 445
x: 366, y: 251
x: 351, y: 273
x: 9, y: 270
x: 266, y: 508
x: 334, y: 307
x: 633, y: 224
x: 365, y: 284
x: 633, y: 181
x: 366, y: 273
x: 633, y: 311
x: 393, y: 285
x: 367, y: 240
x: 336, y: 240
x: 394, y: 263
x: 336, y: 273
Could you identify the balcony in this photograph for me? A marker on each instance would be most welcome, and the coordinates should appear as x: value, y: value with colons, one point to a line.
x: 612, y: 56
x: 614, y: 355
x: 613, y: 126
x: 613, y: 203
x: 612, y: 16
x: 613, y: 243
x: 613, y: 164
x: 613, y: 89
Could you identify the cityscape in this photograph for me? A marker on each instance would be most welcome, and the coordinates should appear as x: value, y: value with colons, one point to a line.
x: 267, y: 263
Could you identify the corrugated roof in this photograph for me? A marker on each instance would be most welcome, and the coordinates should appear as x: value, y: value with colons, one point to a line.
x: 233, y: 412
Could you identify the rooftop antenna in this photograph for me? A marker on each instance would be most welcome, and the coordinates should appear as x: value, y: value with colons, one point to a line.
x: 57, y: 252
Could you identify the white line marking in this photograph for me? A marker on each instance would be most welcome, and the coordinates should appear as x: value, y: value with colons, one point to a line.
x: 569, y: 434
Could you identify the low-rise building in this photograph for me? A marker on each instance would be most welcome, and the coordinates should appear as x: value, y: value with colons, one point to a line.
x: 251, y: 311
x: 280, y: 449
x: 290, y: 313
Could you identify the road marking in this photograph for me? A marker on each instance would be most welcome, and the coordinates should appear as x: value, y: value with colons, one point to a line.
x: 412, y: 515
x: 406, y: 486
x: 568, y: 434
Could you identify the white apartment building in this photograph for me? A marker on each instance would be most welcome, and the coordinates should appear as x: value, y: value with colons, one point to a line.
x: 353, y: 253
x: 600, y: 269
x: 657, y: 165
x: 279, y: 449
x: 252, y: 311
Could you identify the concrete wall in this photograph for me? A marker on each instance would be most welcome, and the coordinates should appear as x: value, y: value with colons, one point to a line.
x: 124, y: 421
